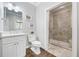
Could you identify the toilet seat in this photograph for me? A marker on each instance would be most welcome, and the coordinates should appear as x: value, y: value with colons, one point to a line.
x: 36, y: 42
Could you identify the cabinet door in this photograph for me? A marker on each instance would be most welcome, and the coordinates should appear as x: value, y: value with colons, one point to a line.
x: 9, y: 50
x: 0, y: 47
x: 21, y: 48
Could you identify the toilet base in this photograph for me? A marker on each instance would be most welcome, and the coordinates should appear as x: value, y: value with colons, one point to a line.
x: 36, y: 50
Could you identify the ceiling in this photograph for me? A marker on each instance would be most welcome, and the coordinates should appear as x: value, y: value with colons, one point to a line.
x: 35, y: 3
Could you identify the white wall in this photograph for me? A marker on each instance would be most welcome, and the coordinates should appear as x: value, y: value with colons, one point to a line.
x: 74, y: 29
x: 1, y: 21
x: 78, y: 29
x: 41, y: 21
x: 27, y: 9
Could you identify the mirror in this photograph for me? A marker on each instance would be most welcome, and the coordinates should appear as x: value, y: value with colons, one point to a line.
x: 12, y: 20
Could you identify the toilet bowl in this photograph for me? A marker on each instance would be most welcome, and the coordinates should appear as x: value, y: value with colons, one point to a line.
x: 36, y: 47
x: 35, y: 44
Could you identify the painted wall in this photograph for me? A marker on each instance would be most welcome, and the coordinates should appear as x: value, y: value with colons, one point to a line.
x: 41, y: 21
x: 1, y: 28
x: 27, y: 9
x: 78, y: 29
x: 1, y: 21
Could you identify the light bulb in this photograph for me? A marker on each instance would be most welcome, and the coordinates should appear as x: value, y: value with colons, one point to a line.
x: 16, y: 9
x: 10, y: 6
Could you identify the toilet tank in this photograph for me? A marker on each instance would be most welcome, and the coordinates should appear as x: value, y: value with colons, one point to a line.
x: 31, y: 37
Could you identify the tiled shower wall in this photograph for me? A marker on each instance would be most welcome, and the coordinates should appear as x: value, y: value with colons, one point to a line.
x: 60, y: 27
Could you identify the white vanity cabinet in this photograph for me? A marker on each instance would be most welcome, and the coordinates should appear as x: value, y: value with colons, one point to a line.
x: 14, y: 46
x: 21, y: 46
x: 0, y: 47
x: 10, y: 50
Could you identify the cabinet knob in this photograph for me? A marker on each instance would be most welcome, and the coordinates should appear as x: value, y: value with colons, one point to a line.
x: 15, y: 44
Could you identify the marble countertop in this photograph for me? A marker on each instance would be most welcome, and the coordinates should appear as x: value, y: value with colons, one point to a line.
x: 11, y: 34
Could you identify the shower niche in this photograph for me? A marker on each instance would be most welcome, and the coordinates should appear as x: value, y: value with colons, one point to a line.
x: 60, y: 27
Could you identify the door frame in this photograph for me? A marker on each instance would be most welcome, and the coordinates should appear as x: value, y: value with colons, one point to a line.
x: 74, y: 26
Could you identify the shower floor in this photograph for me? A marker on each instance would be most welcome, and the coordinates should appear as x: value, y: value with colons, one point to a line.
x: 60, y: 51
x: 61, y: 44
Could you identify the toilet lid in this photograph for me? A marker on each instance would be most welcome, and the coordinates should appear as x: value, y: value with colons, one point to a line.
x: 36, y: 42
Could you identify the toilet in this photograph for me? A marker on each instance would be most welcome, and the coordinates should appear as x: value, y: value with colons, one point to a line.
x: 35, y: 44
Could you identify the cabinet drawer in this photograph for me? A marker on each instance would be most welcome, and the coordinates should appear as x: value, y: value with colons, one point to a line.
x: 8, y: 40
x: 13, y: 39
x: 9, y: 50
x: 21, y: 38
